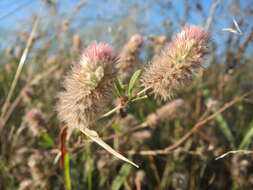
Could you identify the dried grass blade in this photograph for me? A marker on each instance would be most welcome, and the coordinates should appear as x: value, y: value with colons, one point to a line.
x: 94, y: 136
x: 20, y: 67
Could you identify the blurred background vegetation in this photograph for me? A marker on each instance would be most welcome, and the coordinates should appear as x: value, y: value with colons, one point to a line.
x: 47, y: 36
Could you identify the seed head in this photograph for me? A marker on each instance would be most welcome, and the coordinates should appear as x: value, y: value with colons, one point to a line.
x: 88, y: 86
x: 76, y: 44
x: 158, y: 43
x: 36, y: 121
x: 174, y: 109
x: 34, y: 163
x: 25, y: 184
x: 129, y: 57
x: 176, y: 66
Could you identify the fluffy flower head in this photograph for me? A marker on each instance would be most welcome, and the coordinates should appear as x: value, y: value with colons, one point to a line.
x: 176, y: 66
x: 129, y: 57
x: 88, y: 86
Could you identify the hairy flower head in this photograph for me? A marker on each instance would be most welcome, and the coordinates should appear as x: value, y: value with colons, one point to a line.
x: 129, y: 57
x: 88, y: 86
x: 158, y: 43
x: 176, y: 66
x: 174, y: 109
x: 36, y: 121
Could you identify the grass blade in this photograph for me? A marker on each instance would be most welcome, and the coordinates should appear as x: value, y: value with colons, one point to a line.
x: 94, y: 136
x: 20, y: 67
x: 133, y: 82
x: 119, y: 87
x: 247, y: 138
x: 225, y: 129
x: 121, y: 177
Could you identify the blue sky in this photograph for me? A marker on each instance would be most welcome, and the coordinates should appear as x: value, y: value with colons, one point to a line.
x: 15, y: 13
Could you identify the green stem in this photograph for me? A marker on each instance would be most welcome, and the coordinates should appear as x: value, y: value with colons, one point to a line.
x: 111, y: 111
x: 67, y: 172
x: 139, y: 98
x: 143, y: 91
x: 136, y: 98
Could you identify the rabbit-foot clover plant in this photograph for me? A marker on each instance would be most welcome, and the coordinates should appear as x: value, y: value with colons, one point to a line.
x: 90, y: 84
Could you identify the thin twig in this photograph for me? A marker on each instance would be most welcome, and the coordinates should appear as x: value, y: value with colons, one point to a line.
x: 137, y: 127
x: 111, y: 111
x: 202, y: 122
x: 149, y: 152
x: 155, y: 152
x: 143, y: 91
x: 211, y: 14
x: 234, y: 152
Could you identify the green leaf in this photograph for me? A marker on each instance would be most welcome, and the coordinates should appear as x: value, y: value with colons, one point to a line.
x: 47, y: 140
x: 225, y: 129
x: 2, y: 167
x: 117, y: 127
x: 121, y: 177
x: 247, y: 138
x: 133, y: 82
x: 119, y: 87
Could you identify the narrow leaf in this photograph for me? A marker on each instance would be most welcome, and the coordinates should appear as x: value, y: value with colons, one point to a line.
x: 237, y: 26
x: 119, y: 87
x: 225, y: 129
x: 247, y: 138
x: 94, y: 136
x: 133, y: 82
x: 121, y: 177
x: 48, y: 141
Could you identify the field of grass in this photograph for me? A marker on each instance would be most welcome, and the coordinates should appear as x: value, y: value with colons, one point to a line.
x: 200, y: 139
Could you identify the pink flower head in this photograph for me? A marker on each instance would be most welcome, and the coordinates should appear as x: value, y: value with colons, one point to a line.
x: 194, y: 32
x: 36, y: 121
x: 88, y: 86
x: 100, y: 51
x: 176, y: 66
x: 97, y: 54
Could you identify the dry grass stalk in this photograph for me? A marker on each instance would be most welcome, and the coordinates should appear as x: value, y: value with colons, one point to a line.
x: 19, y: 69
